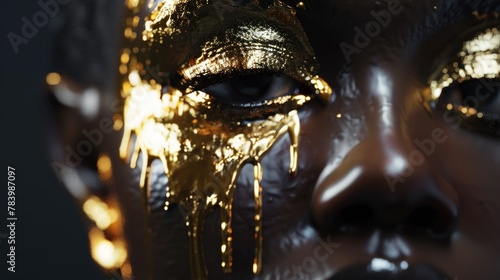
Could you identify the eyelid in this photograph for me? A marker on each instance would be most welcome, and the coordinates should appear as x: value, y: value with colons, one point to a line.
x: 211, y: 47
x: 477, y: 58
x: 248, y: 42
x: 232, y: 113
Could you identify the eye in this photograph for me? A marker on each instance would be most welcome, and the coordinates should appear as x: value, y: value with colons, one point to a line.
x: 250, y: 66
x: 468, y: 86
x: 476, y: 102
x: 254, y: 90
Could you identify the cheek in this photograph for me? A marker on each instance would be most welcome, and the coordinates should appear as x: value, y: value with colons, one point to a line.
x: 286, y: 197
x: 471, y: 162
x: 167, y: 238
x: 285, y: 202
x: 468, y: 162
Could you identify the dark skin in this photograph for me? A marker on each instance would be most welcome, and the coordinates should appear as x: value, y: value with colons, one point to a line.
x: 441, y: 215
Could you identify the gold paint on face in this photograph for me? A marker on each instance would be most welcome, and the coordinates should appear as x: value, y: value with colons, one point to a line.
x: 172, y: 128
x: 220, y: 40
x: 201, y: 145
x: 478, y: 58
x: 467, y: 86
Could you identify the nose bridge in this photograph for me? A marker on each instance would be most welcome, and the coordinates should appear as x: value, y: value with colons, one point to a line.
x: 385, y: 138
x: 381, y: 102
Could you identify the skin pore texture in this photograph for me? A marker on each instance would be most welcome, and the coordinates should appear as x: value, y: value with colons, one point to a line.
x: 393, y: 173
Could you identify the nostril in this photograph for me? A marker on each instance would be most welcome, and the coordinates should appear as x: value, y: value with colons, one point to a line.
x: 355, y: 217
x: 431, y: 221
x: 423, y: 217
x: 423, y: 220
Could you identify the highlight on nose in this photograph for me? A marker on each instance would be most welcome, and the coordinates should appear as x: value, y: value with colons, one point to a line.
x: 357, y: 197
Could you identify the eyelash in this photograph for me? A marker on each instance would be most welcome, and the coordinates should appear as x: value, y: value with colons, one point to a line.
x: 223, y: 97
x: 216, y: 107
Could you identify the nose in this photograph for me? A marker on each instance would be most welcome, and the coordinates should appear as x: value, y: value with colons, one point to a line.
x: 377, y: 185
x: 372, y: 189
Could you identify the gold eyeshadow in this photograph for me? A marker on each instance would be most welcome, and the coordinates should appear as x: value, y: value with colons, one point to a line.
x: 252, y: 48
x: 476, y: 61
x: 202, y: 143
x: 222, y: 41
x: 478, y: 58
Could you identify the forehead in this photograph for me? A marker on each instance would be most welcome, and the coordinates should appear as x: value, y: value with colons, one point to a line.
x: 338, y: 15
x: 398, y: 28
x: 400, y: 25
x: 341, y: 14
x: 359, y: 6
x: 328, y: 12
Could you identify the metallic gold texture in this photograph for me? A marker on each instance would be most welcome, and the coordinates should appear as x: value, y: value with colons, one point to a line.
x: 197, y: 44
x: 478, y: 59
x: 170, y: 127
x: 221, y: 40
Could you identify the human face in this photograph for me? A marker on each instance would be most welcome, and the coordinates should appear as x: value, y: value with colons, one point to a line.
x: 392, y: 173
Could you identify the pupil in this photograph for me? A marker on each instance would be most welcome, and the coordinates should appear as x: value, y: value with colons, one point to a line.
x: 251, y: 86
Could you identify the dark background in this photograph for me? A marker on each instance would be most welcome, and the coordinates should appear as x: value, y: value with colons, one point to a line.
x: 50, y: 241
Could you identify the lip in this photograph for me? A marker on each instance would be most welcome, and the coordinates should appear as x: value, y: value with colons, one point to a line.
x: 413, y: 272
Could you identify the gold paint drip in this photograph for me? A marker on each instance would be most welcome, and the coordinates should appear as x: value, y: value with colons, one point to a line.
x: 201, y: 146
x: 194, y: 223
x: 257, y: 193
x: 180, y: 131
